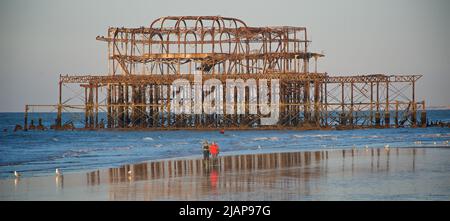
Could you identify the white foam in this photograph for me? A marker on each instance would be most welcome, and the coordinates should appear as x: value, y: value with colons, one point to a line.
x: 435, y: 135
x: 147, y: 138
x: 266, y: 138
x: 260, y: 138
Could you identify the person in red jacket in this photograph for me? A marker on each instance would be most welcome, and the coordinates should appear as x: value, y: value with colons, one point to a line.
x: 214, y: 150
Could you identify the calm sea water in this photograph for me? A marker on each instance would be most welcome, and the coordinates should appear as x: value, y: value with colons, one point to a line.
x: 37, y: 153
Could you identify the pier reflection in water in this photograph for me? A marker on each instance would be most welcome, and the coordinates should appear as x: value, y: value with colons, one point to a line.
x: 268, y: 176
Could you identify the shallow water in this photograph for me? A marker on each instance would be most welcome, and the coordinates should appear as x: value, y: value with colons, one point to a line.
x: 37, y: 153
x: 352, y: 174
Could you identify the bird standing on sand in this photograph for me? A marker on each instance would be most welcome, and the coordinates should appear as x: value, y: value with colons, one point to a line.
x: 16, y: 174
x: 130, y: 175
x: 58, y: 172
x: 386, y: 147
x: 367, y: 148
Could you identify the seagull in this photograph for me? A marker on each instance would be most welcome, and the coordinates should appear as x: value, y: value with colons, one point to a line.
x: 367, y: 148
x: 58, y: 172
x: 16, y: 174
x: 386, y: 147
x: 130, y: 175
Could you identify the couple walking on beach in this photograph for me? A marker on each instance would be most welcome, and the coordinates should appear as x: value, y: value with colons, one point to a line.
x: 210, y: 149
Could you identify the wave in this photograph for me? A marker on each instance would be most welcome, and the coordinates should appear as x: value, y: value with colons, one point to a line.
x: 439, y: 135
x: 265, y: 138
x: 66, y: 154
x: 320, y: 136
x: 75, y: 153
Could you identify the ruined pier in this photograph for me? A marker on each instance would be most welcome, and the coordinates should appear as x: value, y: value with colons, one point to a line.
x: 208, y: 72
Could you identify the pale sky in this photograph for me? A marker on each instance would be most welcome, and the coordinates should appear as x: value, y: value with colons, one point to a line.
x: 41, y: 39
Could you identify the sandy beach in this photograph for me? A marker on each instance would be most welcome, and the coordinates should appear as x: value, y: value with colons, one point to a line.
x: 352, y: 174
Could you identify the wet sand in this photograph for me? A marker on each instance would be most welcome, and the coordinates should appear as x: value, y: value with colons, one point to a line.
x: 359, y: 174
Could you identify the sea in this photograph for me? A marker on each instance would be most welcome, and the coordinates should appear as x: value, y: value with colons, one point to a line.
x: 38, y: 153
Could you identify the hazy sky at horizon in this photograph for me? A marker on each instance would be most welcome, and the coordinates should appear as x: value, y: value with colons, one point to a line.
x: 41, y: 39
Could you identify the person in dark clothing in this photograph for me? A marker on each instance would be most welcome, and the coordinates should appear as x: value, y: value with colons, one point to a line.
x: 205, y: 147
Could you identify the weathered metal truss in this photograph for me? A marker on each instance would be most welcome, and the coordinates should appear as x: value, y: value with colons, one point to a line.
x: 138, y: 91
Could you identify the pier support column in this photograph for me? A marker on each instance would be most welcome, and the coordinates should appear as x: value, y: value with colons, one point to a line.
x: 96, y: 106
x: 25, y: 124
x: 352, y: 105
x: 387, y: 119
x: 377, y: 113
x: 307, y: 113
x: 377, y: 119
x: 91, y: 105
x: 396, y: 114
x: 127, y: 105
x: 316, y: 103
x: 423, y: 116
x: 86, y: 107
x: 143, y: 109
x: 387, y: 115
x: 59, y: 114
x: 414, y: 105
x: 121, y: 114
x: 371, y: 104
x: 108, y: 101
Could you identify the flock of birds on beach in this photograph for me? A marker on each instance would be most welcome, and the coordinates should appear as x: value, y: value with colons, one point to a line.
x: 58, y: 172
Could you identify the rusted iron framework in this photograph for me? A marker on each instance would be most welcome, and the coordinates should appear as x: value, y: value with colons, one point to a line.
x: 143, y: 63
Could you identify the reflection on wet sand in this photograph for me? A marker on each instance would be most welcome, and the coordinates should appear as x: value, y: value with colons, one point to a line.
x: 356, y: 174
x: 259, y: 176
x: 59, y: 181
